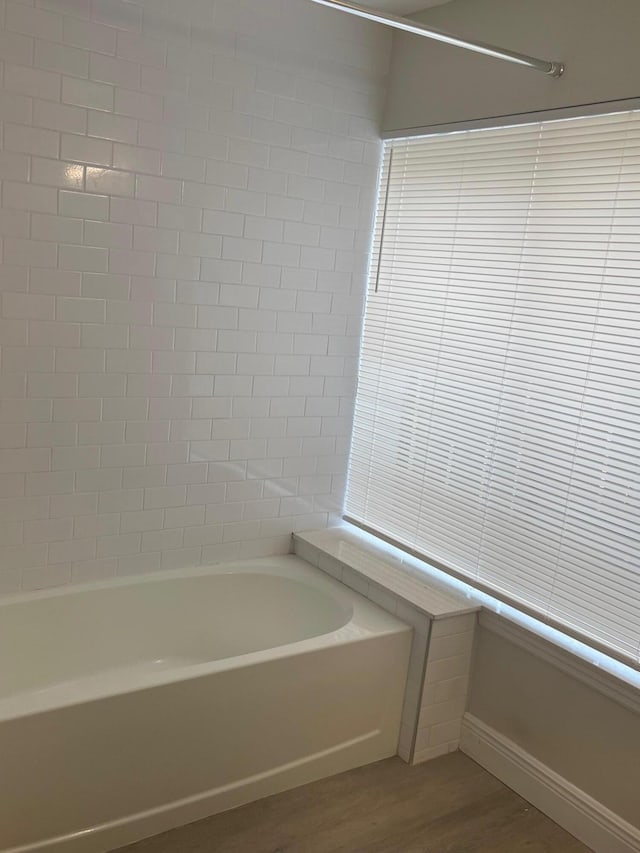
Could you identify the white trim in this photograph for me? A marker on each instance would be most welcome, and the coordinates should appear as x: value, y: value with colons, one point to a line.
x: 569, y: 806
x: 577, y: 111
x: 623, y: 693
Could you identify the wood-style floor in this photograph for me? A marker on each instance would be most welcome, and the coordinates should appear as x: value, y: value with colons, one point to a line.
x: 450, y: 805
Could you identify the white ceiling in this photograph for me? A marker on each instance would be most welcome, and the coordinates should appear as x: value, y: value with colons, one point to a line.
x: 401, y: 7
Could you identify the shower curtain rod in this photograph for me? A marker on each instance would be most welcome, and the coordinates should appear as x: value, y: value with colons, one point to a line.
x: 552, y: 69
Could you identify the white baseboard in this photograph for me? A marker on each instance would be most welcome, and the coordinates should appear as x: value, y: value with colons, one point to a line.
x: 571, y: 808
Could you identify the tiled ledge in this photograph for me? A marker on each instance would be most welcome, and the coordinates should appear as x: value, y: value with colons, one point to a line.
x: 352, y: 555
x: 443, y: 620
x: 352, y: 551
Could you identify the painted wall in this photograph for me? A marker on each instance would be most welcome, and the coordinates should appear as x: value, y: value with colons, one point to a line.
x: 582, y: 734
x: 431, y: 83
x: 187, y: 194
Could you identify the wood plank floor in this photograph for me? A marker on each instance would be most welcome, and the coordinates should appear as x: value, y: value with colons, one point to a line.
x: 450, y: 805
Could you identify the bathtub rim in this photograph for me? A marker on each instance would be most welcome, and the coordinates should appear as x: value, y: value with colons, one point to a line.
x: 365, y: 620
x: 262, y: 565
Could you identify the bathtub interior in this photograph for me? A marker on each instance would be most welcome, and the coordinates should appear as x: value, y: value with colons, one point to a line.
x: 158, y: 624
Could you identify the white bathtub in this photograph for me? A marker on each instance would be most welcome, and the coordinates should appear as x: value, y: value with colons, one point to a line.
x: 131, y: 706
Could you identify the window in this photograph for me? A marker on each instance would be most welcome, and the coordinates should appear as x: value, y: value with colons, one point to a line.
x: 497, y: 426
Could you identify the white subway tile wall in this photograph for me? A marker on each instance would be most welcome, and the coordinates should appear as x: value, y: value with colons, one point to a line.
x: 187, y: 200
x: 446, y: 686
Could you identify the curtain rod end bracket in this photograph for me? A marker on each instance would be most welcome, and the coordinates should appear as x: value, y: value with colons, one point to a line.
x: 557, y: 69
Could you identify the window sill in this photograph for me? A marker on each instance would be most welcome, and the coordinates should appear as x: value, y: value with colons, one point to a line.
x: 440, y: 596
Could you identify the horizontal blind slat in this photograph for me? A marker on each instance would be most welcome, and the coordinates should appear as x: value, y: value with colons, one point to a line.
x: 497, y: 423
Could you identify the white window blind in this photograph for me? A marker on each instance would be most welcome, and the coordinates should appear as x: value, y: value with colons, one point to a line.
x: 497, y: 426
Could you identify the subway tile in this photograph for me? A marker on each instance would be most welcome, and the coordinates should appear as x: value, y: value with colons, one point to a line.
x: 32, y: 82
x: 133, y: 158
x: 451, y: 645
x: 25, y: 460
x: 75, y: 411
x: 24, y: 411
x: 105, y: 286
x: 41, y: 23
x: 15, y: 108
x: 89, y: 35
x: 19, y: 508
x: 137, y: 522
x: 180, y: 217
x: 13, y: 385
x: 13, y: 436
x: 85, y: 149
x: 92, y: 526
x: 83, y: 258
x: 102, y: 480
x: 158, y: 189
x: 48, y: 530
x: 15, y: 48
x: 117, y: 71
x: 59, y: 229
x: 75, y: 550
x: 109, y: 181
x: 51, y: 435
x: 158, y: 202
x: 108, y: 235
x: 123, y: 500
x: 14, y: 223
x: 140, y: 105
x: 80, y: 310
x: 28, y: 306
x: 126, y: 361
x: 24, y: 196
x: 64, y: 59
x: 162, y: 540
x: 25, y: 556
x: 181, y: 558
x: 184, y: 517
x: 117, y: 546
x: 142, y: 432
x: 142, y: 48
x: 118, y: 14
x: 60, y: 117
x: 79, y: 360
x: 31, y: 140
x: 445, y: 691
x: 113, y: 127
x: 103, y: 433
x: 12, y: 485
x: 101, y: 385
x: 144, y: 476
x: 454, y: 625
x: 53, y: 334
x: 165, y: 496
x: 75, y: 458
x: 101, y: 336
x: 83, y: 206
x: 86, y: 93
x: 122, y: 455
x: 43, y: 577
x: 130, y: 312
x: 446, y: 669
